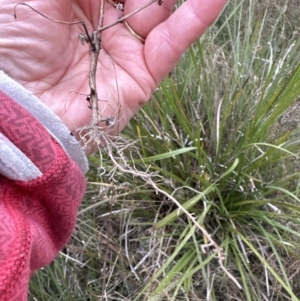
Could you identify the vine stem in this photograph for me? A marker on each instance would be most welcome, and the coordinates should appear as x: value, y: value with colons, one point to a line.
x: 122, y: 19
x: 95, y: 49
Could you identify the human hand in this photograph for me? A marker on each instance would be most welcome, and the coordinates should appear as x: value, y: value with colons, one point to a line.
x: 48, y: 59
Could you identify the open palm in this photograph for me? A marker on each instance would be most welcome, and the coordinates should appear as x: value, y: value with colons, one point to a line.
x: 49, y: 60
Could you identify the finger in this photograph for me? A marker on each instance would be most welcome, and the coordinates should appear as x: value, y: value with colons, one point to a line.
x: 145, y: 20
x: 167, y: 42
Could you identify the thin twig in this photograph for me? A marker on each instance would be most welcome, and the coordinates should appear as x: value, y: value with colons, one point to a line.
x: 54, y: 20
x: 92, y: 80
x: 101, y: 15
x: 48, y: 18
x: 122, y: 19
x: 97, y: 43
x: 93, y: 70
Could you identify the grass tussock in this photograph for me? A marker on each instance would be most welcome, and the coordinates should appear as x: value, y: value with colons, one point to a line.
x: 201, y: 201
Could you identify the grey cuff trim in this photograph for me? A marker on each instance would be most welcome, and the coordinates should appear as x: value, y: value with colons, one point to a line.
x: 14, y: 164
x: 42, y: 113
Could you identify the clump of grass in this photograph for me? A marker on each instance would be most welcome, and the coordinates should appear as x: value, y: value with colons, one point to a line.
x: 214, y: 162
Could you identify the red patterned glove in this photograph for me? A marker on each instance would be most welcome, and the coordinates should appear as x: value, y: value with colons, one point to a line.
x: 37, y: 216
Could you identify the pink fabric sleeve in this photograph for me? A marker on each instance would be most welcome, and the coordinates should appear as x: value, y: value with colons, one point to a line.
x: 37, y: 217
